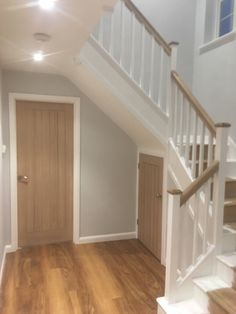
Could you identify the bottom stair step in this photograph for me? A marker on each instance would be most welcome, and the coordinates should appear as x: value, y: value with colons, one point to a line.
x: 186, y: 307
x: 222, y: 301
x: 210, y: 283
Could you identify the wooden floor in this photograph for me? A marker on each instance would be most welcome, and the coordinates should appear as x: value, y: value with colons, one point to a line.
x: 105, y: 278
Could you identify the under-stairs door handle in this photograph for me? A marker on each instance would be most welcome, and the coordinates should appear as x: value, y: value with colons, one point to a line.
x: 23, y: 179
x: 158, y: 195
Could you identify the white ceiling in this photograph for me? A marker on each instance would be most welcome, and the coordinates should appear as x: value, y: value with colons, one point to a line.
x: 69, y: 24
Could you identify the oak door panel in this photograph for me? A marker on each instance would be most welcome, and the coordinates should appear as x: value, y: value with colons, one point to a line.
x: 150, y: 202
x: 45, y: 172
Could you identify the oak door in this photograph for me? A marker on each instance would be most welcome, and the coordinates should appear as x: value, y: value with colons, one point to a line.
x: 45, y: 172
x: 150, y: 202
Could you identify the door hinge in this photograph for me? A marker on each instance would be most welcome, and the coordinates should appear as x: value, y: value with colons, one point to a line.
x: 139, y: 165
x: 137, y: 221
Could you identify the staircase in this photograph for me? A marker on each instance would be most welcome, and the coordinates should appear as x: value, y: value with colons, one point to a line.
x: 139, y: 67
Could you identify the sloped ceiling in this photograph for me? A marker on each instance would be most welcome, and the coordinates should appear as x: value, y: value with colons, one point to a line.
x: 69, y: 25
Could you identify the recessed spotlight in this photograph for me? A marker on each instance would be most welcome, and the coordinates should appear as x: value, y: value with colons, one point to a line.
x: 38, y: 56
x: 46, y: 4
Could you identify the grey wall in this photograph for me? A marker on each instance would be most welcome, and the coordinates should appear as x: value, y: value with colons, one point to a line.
x: 108, y: 158
x: 215, y: 75
x: 2, y: 242
x: 175, y: 21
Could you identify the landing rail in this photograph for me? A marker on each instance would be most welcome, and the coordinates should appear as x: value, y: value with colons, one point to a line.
x: 132, y: 42
x: 195, y: 103
x: 148, y: 26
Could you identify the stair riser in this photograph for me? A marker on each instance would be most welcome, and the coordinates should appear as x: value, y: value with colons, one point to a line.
x: 229, y: 243
x: 229, y: 214
x: 225, y: 273
x: 230, y: 189
x: 201, y: 297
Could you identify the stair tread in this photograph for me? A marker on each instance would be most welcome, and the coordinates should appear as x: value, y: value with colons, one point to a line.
x: 189, y: 306
x: 209, y: 283
x: 230, y: 201
x: 228, y: 259
x: 230, y: 227
x: 225, y: 298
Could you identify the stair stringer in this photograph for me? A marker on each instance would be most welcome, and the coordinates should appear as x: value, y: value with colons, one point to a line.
x: 94, y: 58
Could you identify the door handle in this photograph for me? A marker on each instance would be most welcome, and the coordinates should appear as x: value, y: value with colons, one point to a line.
x: 158, y: 196
x: 23, y: 179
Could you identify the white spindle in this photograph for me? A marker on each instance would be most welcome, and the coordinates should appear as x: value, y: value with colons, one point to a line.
x: 210, y: 150
x: 175, y: 115
x: 174, y: 55
x: 133, y: 47
x: 194, y: 144
x: 122, y: 34
x: 161, y: 81
x: 142, y: 65
x: 111, y: 42
x: 153, y: 43
x: 101, y: 31
x: 207, y: 190
x: 171, y: 65
x: 187, y: 141
x: 201, y: 150
x: 172, y: 113
x: 181, y: 122
x: 195, y: 228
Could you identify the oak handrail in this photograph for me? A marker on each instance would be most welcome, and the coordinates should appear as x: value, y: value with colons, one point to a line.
x: 196, y: 184
x: 196, y: 104
x: 148, y: 26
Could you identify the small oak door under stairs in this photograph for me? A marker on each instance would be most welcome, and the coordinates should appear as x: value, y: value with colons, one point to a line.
x: 45, y: 172
x: 150, y: 202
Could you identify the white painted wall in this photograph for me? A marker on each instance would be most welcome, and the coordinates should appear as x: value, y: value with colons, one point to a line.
x: 108, y: 158
x: 2, y: 242
x: 215, y: 75
x: 174, y: 20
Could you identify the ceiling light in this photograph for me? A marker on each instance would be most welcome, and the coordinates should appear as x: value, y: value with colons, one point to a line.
x: 38, y: 56
x: 46, y: 4
x: 41, y: 37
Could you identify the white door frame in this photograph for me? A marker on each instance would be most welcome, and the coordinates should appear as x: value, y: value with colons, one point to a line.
x: 13, y: 97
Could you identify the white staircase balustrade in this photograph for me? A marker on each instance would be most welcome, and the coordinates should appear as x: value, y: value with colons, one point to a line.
x: 191, y: 129
x: 195, y: 226
x: 138, y: 48
x: 195, y: 215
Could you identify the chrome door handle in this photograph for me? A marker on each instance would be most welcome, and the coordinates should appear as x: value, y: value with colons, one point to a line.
x: 23, y: 179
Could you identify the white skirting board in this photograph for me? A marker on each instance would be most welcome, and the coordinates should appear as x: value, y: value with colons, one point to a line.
x: 7, y: 249
x: 108, y: 237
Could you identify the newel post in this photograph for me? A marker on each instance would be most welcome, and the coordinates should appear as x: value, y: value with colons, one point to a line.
x: 222, y: 130
x: 172, y: 250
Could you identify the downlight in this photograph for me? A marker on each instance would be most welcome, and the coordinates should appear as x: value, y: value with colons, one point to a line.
x: 47, y: 4
x: 38, y: 56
